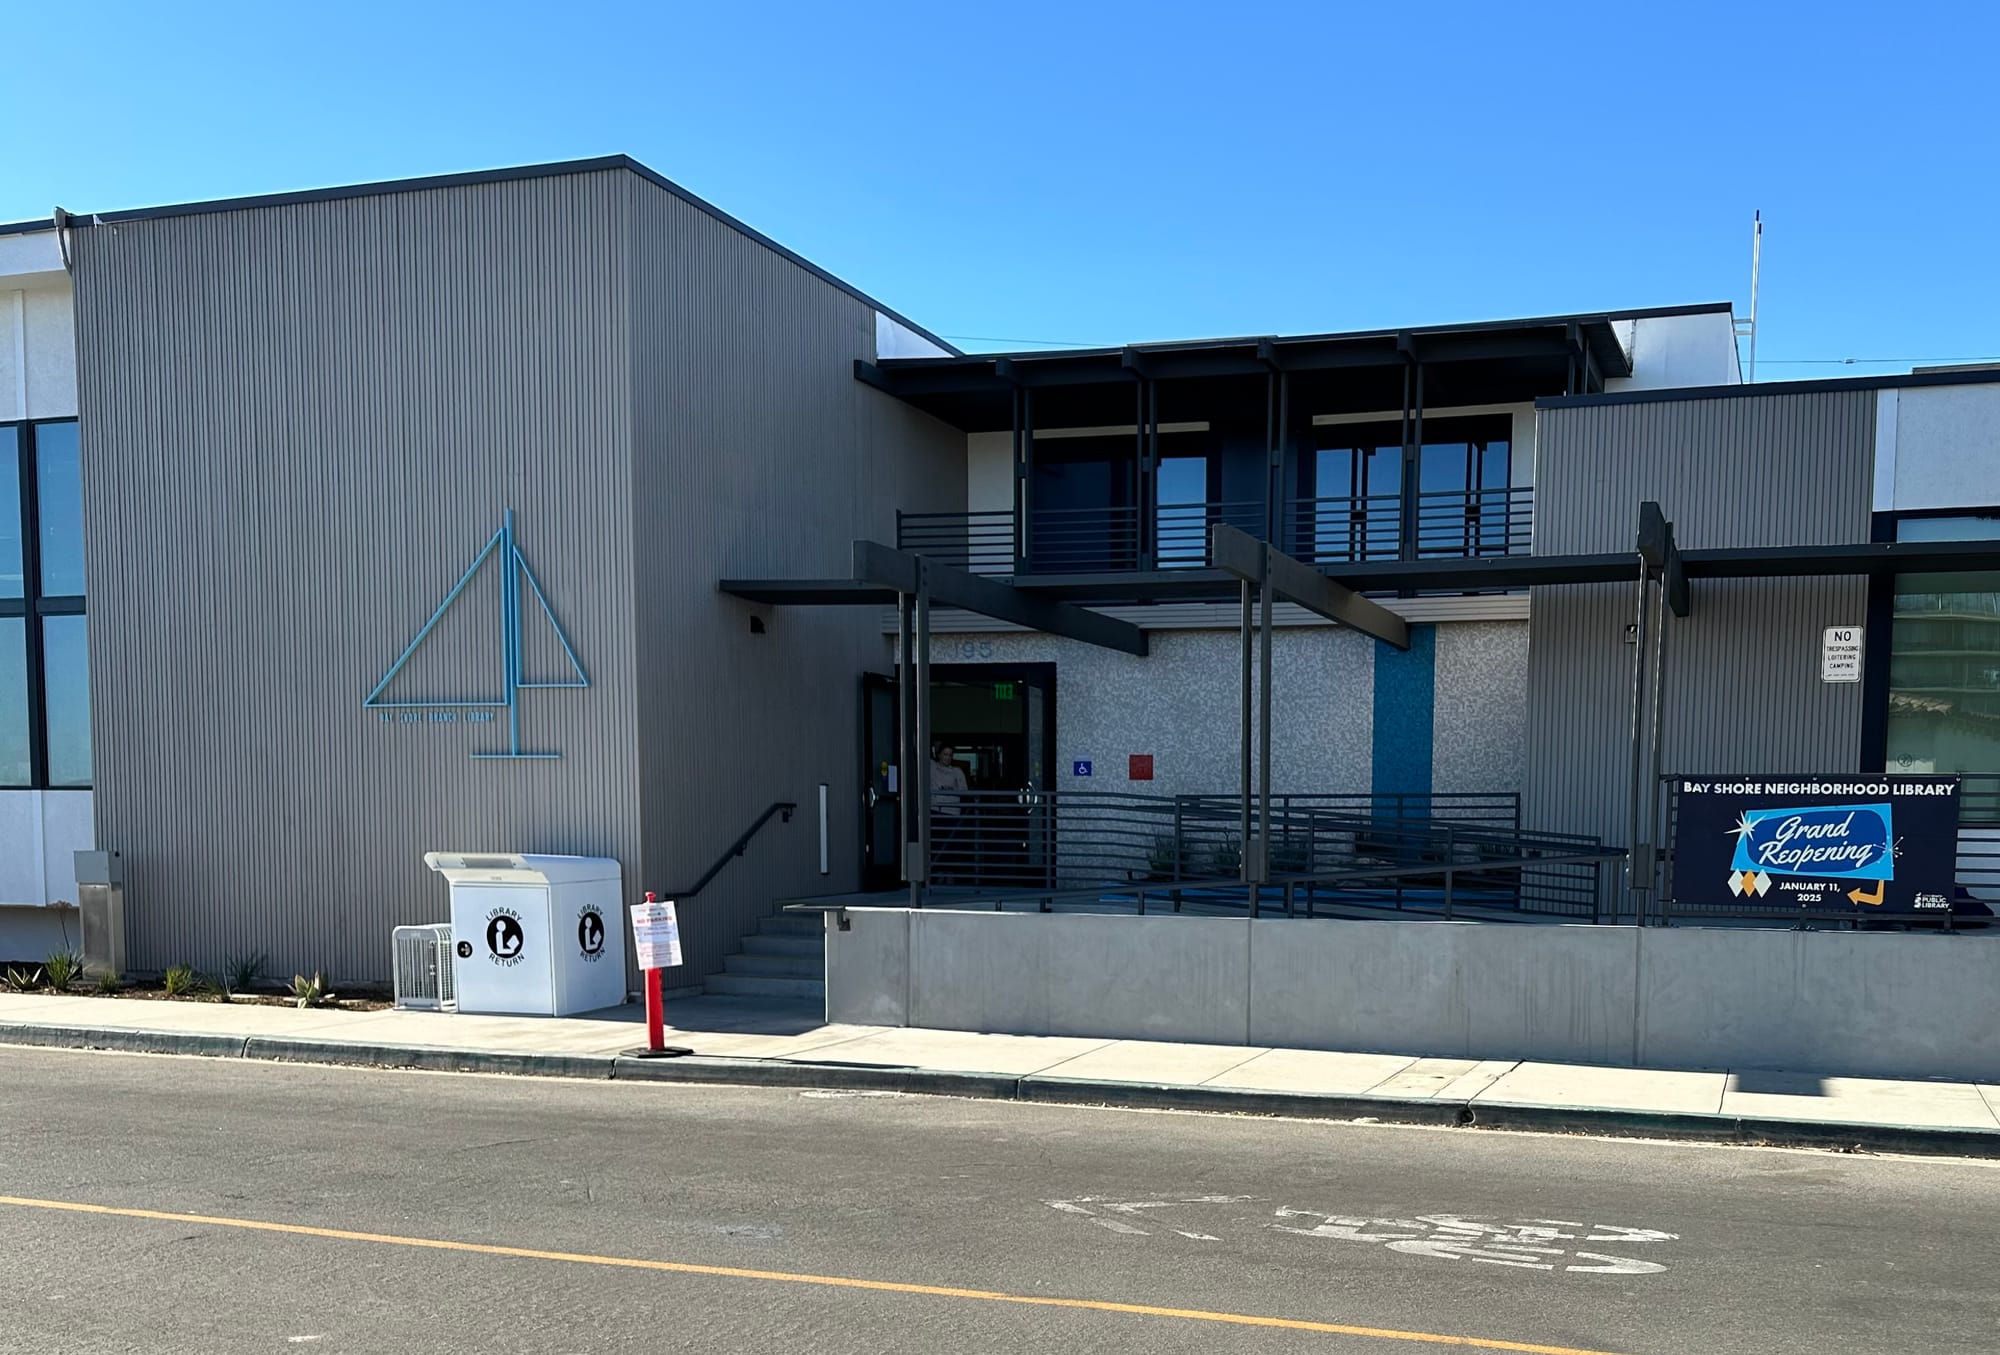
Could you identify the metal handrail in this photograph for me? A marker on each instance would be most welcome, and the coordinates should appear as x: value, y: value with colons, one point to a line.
x: 736, y: 849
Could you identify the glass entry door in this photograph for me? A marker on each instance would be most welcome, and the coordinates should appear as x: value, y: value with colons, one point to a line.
x: 881, y: 785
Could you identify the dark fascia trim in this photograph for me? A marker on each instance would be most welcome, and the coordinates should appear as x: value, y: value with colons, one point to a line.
x: 1974, y: 377
x: 511, y: 174
x: 1253, y: 341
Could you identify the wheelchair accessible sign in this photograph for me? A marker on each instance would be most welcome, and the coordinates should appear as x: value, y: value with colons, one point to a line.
x: 1870, y: 844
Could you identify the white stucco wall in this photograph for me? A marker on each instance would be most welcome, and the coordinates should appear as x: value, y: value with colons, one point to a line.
x: 1937, y: 447
x: 894, y: 339
x: 989, y: 472
x: 39, y: 829
x: 1679, y: 350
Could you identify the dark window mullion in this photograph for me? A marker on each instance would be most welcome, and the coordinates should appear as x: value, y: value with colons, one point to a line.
x: 31, y: 589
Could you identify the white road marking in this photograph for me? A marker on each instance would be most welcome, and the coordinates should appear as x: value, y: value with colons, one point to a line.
x: 1527, y: 1244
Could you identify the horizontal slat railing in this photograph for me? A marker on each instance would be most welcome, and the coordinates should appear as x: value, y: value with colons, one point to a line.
x: 981, y: 543
x: 1329, y: 855
x: 1346, y: 529
x: 1464, y: 523
x: 1323, y: 531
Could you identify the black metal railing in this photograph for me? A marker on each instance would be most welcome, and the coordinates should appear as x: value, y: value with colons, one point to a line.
x: 1329, y: 855
x: 1975, y: 904
x: 980, y: 542
x: 1344, y: 529
x: 1454, y: 524
x: 735, y: 849
x: 1181, y: 530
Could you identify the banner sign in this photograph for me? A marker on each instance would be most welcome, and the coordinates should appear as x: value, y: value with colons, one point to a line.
x: 1840, y: 843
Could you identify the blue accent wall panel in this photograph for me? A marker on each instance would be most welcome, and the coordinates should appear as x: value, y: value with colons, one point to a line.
x: 1405, y: 702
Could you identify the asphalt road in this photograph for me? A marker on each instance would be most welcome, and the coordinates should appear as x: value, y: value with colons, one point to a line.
x: 755, y: 1212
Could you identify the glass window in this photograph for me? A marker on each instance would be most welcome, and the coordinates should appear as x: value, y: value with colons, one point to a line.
x: 14, y: 769
x: 1944, y: 666
x: 1182, y: 526
x: 59, y: 501
x: 12, y: 584
x: 66, y: 674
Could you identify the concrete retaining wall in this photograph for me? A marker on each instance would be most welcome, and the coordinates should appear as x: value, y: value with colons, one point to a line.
x: 1832, y: 1002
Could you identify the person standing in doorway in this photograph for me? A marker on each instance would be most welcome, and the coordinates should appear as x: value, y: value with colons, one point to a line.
x: 948, y: 806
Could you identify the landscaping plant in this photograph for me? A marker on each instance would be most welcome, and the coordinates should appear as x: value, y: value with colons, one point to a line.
x: 63, y: 968
x: 312, y: 992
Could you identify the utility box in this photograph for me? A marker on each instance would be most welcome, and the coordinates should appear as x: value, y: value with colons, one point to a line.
x: 535, y: 935
x: 100, y: 898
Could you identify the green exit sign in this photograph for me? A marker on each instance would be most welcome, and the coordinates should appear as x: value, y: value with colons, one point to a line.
x: 1003, y: 691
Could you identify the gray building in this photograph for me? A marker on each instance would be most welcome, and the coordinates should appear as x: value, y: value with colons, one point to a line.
x: 497, y: 512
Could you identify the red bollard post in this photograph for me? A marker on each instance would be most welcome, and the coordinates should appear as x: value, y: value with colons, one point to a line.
x: 656, y: 1013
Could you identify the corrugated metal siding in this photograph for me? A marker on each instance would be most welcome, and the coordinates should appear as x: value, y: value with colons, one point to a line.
x: 300, y: 425
x: 1742, y: 680
x: 756, y: 453
x: 1749, y: 470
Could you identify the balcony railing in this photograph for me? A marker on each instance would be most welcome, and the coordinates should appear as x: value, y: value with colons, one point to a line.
x: 1443, y: 524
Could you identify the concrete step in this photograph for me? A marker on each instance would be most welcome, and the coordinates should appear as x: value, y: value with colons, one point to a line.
x: 791, y: 924
x: 784, y: 943
x: 754, y: 985
x: 776, y: 966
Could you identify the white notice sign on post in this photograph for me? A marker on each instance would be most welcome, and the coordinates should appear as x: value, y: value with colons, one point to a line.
x: 1840, y: 654
x: 656, y: 935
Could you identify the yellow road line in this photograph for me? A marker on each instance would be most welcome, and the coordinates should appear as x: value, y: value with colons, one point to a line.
x: 790, y: 1277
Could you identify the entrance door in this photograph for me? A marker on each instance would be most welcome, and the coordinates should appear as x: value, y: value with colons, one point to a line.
x: 881, y: 785
x: 999, y: 720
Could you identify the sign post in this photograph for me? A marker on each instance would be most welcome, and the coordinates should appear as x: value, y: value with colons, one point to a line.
x: 656, y: 941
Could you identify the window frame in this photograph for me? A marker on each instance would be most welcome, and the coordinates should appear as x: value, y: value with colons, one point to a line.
x: 1884, y: 527
x: 33, y: 607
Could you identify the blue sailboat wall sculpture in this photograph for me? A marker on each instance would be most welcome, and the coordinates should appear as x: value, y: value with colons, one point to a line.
x: 514, y: 570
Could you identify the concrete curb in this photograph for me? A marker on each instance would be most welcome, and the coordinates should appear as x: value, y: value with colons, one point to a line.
x: 1918, y: 1140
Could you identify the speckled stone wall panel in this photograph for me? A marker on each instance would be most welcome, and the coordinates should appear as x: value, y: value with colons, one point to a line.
x: 1180, y: 705
x: 1480, y: 731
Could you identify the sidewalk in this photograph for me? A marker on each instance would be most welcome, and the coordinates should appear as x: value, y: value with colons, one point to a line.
x: 762, y: 1042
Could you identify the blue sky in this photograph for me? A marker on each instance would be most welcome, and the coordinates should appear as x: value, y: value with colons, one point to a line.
x: 1104, y: 173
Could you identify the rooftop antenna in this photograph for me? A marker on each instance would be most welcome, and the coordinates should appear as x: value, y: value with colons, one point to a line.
x: 1749, y: 327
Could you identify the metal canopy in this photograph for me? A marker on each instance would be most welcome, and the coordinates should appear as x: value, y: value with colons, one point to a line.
x: 1242, y: 555
x: 883, y: 574
x: 948, y: 586
x: 1461, y: 575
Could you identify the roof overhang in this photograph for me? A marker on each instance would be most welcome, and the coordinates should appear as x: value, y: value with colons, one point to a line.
x: 1498, y: 362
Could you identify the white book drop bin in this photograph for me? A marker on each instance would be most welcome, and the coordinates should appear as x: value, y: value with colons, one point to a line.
x: 535, y: 935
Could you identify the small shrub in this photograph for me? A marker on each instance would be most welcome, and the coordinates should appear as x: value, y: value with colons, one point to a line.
x: 181, y: 981
x: 241, y: 972
x: 23, y: 980
x: 312, y: 992
x: 63, y: 968
x: 1227, y: 860
x: 108, y: 983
